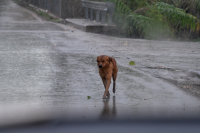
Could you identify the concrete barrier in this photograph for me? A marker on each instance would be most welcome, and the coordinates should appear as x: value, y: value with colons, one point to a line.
x: 102, y: 9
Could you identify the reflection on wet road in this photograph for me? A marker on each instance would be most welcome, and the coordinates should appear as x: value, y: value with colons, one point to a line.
x: 47, y: 67
x: 109, y: 111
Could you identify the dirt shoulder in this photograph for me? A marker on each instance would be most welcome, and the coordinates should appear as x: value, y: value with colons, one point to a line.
x: 188, y: 81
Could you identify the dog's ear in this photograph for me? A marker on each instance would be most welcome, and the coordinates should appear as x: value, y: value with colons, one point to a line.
x: 97, y: 58
x: 110, y: 59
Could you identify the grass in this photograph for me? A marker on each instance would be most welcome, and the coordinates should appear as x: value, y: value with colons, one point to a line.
x: 39, y: 12
x: 47, y: 16
x: 197, y: 40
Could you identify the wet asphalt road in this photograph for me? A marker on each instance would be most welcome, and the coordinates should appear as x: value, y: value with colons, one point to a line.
x: 48, y: 70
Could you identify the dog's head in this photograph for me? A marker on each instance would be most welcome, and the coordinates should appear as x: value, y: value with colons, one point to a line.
x: 103, y: 61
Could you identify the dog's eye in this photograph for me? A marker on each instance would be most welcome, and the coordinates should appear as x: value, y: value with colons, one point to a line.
x: 103, y: 61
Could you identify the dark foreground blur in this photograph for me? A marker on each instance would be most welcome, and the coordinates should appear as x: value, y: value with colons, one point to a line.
x: 141, y: 126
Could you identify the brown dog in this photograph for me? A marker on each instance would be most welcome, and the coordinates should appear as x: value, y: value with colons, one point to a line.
x: 107, y: 69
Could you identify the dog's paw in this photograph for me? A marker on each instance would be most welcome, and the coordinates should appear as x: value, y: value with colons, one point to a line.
x: 104, y: 97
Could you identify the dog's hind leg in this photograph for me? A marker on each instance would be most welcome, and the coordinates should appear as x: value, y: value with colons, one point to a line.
x: 114, y: 79
x: 114, y: 86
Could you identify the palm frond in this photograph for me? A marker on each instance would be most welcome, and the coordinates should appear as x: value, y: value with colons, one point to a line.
x: 121, y: 7
x: 148, y: 27
x: 177, y: 15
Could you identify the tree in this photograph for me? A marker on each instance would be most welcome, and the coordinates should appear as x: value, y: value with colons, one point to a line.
x: 153, y: 19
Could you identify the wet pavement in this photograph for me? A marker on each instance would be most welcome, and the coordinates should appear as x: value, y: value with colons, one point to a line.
x: 48, y: 70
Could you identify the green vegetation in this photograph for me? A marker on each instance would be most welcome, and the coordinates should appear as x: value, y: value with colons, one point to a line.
x: 158, y: 19
x: 131, y: 63
x: 47, y: 16
x: 41, y: 13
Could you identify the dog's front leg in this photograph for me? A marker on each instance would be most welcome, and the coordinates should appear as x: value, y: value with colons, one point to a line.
x: 108, y: 81
x: 104, y: 82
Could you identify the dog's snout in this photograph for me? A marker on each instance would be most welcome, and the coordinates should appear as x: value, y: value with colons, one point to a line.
x: 100, y: 66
